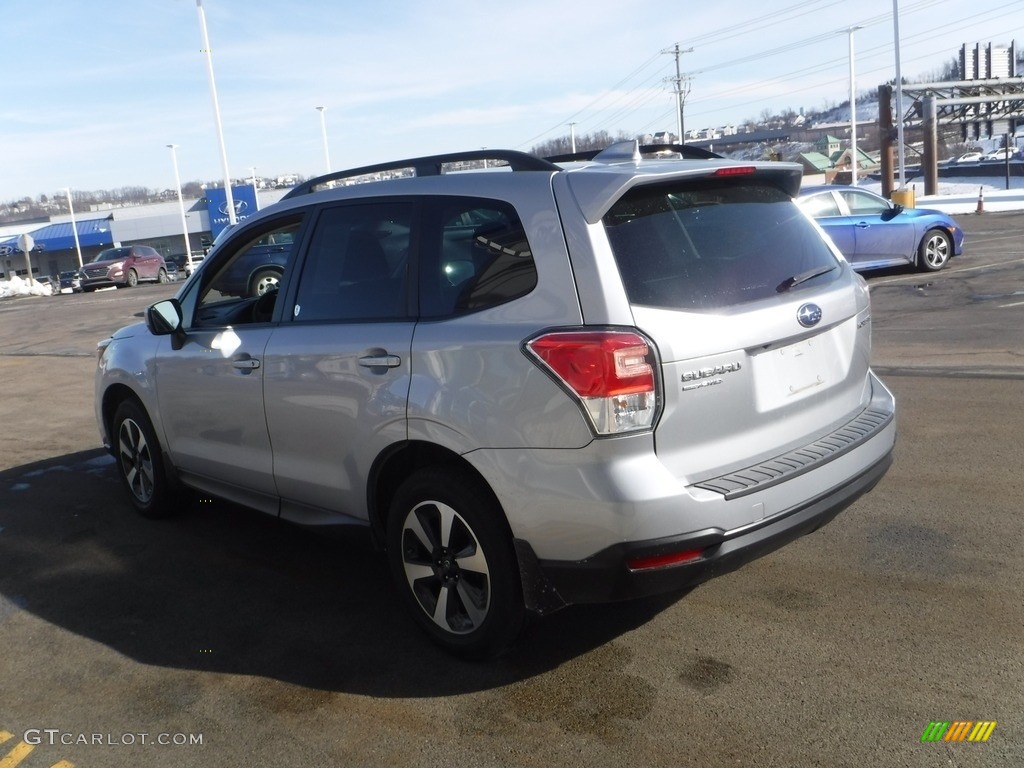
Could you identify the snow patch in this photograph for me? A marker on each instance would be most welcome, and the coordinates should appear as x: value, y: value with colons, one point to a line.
x: 16, y: 286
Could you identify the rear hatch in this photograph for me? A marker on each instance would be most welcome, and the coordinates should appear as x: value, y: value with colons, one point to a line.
x: 762, y: 330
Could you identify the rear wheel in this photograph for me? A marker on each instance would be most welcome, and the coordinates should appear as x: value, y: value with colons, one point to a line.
x: 264, y: 281
x: 934, y: 251
x: 162, y: 276
x: 452, y: 558
x: 140, y: 461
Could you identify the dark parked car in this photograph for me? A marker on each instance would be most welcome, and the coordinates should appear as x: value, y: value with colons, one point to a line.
x: 70, y: 281
x: 124, y: 266
x: 181, y: 263
x: 872, y: 232
x: 259, y: 269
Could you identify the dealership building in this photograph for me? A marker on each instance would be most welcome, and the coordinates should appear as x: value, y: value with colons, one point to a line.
x: 157, y: 225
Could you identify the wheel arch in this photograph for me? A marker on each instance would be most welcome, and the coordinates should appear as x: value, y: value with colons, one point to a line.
x: 398, y: 463
x: 114, y: 395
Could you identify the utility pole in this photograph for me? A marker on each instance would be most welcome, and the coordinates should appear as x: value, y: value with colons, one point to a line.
x: 682, y: 88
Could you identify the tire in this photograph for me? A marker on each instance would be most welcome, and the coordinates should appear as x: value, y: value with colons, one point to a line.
x: 935, y: 250
x: 162, y: 276
x: 133, y: 278
x: 451, y: 556
x: 140, y: 461
x: 263, y: 281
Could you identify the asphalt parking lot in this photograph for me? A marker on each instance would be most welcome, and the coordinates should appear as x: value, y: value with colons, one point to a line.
x: 224, y: 638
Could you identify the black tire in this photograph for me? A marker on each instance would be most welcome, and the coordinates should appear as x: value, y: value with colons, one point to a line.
x: 162, y: 276
x: 140, y: 461
x: 452, y: 558
x: 263, y: 281
x: 935, y: 250
x: 132, y: 279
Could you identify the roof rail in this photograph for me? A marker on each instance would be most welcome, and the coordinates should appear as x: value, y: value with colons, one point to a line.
x: 432, y: 165
x: 685, y: 151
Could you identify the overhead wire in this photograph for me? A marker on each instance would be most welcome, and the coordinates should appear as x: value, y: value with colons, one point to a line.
x: 641, y: 95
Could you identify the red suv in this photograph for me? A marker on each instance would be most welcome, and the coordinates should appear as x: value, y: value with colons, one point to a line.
x: 126, y: 265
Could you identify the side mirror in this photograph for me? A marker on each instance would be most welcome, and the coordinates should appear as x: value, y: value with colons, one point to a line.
x: 165, y: 319
x: 893, y: 212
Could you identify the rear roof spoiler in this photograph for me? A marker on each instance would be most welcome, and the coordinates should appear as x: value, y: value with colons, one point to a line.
x: 627, y: 150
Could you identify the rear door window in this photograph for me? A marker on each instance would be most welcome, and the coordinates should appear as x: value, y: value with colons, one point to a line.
x: 477, y: 257
x: 708, y: 244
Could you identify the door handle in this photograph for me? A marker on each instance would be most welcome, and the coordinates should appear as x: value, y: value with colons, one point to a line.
x: 380, y: 361
x: 248, y: 364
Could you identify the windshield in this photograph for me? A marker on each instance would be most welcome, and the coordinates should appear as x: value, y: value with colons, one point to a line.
x: 108, y: 255
x: 714, y: 243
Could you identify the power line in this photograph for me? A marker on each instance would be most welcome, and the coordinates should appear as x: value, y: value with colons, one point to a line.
x: 644, y: 85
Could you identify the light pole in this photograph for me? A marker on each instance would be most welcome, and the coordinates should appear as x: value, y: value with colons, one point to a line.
x: 181, y: 207
x: 900, y: 153
x: 232, y: 218
x: 853, y: 113
x: 255, y: 192
x: 323, y: 133
x: 74, y: 227
x: 572, y: 137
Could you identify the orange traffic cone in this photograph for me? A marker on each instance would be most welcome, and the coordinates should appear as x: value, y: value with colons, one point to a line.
x: 981, y: 200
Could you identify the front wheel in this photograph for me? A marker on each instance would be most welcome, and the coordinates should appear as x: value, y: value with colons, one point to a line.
x: 133, y: 278
x: 934, y: 251
x: 452, y: 558
x: 140, y: 461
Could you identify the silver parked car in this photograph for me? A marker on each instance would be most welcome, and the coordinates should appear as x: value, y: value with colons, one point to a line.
x: 536, y: 385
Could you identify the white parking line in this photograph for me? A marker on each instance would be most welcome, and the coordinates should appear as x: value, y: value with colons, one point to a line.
x: 930, y: 275
x: 1015, y: 304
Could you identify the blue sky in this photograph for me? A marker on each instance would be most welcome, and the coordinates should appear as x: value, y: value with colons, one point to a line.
x: 95, y: 91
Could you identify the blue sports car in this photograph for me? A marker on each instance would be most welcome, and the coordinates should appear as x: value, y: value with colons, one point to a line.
x: 872, y: 232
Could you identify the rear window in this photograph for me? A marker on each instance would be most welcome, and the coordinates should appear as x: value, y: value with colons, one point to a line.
x: 714, y: 243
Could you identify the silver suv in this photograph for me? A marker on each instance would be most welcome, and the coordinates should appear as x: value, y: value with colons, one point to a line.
x: 535, y: 384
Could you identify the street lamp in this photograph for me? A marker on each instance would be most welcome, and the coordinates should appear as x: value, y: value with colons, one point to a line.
x: 572, y: 137
x: 181, y: 207
x: 74, y: 227
x: 900, y: 152
x: 323, y: 133
x: 853, y: 113
x: 230, y: 198
x: 255, y: 192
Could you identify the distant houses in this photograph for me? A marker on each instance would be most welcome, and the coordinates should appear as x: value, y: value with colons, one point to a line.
x: 832, y: 158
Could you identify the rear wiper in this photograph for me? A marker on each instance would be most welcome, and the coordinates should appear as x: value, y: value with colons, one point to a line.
x: 803, y: 277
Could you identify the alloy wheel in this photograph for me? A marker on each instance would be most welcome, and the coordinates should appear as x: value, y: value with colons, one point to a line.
x: 136, y: 460
x: 445, y: 567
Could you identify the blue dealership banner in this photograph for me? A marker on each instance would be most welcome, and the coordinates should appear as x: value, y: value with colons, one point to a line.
x: 217, y: 206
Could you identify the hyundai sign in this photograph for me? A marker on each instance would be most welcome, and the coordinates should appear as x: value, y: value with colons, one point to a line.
x: 217, y: 206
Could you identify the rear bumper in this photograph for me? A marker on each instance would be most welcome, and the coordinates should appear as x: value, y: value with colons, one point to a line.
x: 607, y: 575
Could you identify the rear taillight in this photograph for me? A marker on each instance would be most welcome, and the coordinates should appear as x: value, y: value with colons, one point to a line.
x: 612, y: 374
